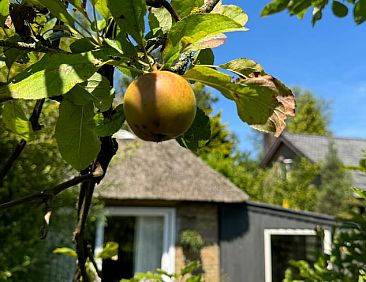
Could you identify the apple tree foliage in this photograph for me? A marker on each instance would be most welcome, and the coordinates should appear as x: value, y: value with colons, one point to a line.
x: 301, y: 7
x: 66, y: 52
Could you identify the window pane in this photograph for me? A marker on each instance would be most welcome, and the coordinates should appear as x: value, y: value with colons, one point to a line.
x: 292, y: 247
x: 140, y: 240
x: 148, y: 243
x: 122, y: 231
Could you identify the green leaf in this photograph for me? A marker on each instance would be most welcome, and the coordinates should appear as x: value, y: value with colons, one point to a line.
x: 359, y: 11
x: 184, y: 8
x: 82, y: 45
x: 160, y: 18
x: 275, y: 6
x: 107, y: 127
x: 77, y: 141
x: 4, y: 11
x: 339, y: 9
x: 65, y: 251
x: 95, y: 89
x: 205, y: 57
x: 15, y: 119
x: 53, y: 75
x: 102, y: 8
x: 198, y: 134
x: 243, y: 66
x: 109, y: 251
x: 58, y: 9
x: 361, y: 193
x: 263, y: 102
x: 129, y: 16
x: 189, y: 268
x: 233, y: 12
x: 194, y: 28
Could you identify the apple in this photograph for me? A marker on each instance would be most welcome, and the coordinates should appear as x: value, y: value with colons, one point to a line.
x: 159, y: 106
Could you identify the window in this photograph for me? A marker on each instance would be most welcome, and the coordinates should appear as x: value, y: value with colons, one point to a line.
x: 146, y: 241
x: 283, y: 245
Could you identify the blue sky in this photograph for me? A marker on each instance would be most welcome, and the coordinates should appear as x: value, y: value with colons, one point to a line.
x: 328, y: 59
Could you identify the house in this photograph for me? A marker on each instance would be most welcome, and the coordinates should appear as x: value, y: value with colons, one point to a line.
x: 161, y: 201
x: 290, y: 146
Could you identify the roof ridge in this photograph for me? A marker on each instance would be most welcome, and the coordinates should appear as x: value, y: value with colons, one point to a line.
x: 326, y: 136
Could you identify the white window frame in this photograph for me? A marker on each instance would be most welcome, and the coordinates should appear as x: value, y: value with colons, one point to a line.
x: 327, y: 245
x: 169, y: 215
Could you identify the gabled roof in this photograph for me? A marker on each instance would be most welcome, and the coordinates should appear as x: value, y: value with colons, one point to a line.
x: 164, y: 171
x: 315, y: 148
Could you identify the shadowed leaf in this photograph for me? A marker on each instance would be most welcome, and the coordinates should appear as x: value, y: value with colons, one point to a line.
x: 198, y: 134
x: 77, y: 141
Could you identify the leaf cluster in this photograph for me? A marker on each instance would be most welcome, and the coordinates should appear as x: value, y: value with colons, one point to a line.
x: 300, y: 8
x: 65, y: 50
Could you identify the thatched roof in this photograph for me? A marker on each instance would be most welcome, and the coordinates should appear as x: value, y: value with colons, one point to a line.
x: 164, y: 171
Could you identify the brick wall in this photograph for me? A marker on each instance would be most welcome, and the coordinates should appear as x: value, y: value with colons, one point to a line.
x: 203, y: 218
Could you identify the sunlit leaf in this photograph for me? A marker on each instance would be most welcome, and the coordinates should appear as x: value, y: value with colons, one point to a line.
x: 194, y: 28
x: 58, y: 9
x: 129, y: 16
x: 53, y: 75
x: 95, y: 89
x: 15, y: 119
x: 243, y: 66
x: 102, y: 8
x: 77, y: 141
x: 184, y: 8
x: 109, y: 251
x: 160, y: 18
x: 65, y: 251
x: 4, y: 11
x: 212, y: 41
x: 263, y: 102
x: 231, y: 11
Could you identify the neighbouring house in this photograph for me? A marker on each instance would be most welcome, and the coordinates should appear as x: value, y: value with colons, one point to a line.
x: 290, y: 146
x: 166, y: 207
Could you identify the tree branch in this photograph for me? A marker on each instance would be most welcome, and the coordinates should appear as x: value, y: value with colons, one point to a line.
x: 208, y: 6
x: 170, y: 9
x: 49, y: 193
x: 9, y: 163
x: 29, y: 47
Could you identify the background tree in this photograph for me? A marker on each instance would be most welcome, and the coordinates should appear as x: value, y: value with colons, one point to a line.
x: 22, y: 252
x: 335, y: 194
x: 312, y: 114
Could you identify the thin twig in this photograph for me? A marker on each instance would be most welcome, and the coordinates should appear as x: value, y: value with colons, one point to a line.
x: 9, y: 163
x: 48, y: 193
x: 34, y: 119
x: 92, y: 259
